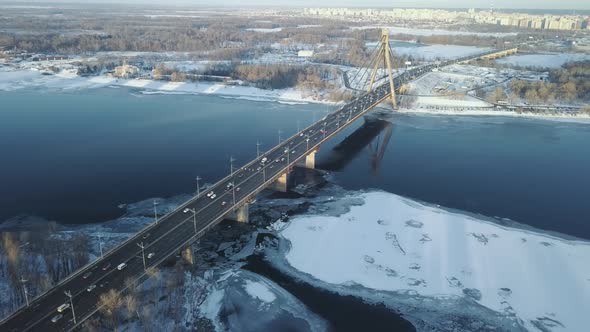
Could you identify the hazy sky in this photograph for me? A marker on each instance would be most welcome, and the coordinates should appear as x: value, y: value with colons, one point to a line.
x: 529, y: 4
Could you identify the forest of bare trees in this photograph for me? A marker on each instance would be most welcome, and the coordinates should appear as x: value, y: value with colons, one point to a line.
x: 40, y: 258
x: 570, y: 83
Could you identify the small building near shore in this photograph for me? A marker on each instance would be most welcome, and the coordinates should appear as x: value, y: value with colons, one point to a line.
x: 305, y: 53
x: 126, y: 71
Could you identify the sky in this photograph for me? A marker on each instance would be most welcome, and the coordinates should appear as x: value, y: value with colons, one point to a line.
x: 498, y: 4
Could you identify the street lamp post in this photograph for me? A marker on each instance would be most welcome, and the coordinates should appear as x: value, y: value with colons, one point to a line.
x: 287, y: 152
x: 233, y: 184
x: 307, y: 142
x: 155, y: 211
x: 23, y: 280
x: 297, y: 125
x: 257, y: 149
x: 280, y: 131
x: 100, y: 244
x: 231, y: 166
x: 194, y: 218
x: 69, y: 294
x: 142, y: 253
x: 198, y: 186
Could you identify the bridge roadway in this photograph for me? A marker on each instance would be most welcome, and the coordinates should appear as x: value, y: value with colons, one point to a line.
x: 178, y: 228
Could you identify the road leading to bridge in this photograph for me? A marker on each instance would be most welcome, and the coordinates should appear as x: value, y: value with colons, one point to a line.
x: 191, y: 220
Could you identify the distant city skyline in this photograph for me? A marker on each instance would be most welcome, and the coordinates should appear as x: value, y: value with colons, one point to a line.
x: 496, y: 4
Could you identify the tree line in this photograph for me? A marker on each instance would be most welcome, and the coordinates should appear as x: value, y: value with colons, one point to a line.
x: 569, y: 83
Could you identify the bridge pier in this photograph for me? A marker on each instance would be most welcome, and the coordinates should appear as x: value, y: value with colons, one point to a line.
x: 310, y: 160
x: 188, y: 255
x: 240, y: 214
x: 280, y: 184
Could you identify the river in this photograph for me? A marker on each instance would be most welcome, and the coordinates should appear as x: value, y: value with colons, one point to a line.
x: 75, y: 156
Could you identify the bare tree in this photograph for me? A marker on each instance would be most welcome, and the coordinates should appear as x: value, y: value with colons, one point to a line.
x: 130, y: 303
x: 109, y: 302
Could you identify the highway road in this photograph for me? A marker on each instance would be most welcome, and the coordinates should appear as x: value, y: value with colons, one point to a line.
x: 182, y: 226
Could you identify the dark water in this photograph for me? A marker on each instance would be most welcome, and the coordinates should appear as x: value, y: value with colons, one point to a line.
x: 344, y: 313
x: 73, y: 157
x: 535, y: 172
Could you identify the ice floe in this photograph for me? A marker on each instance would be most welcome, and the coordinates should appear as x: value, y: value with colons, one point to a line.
x: 392, y: 244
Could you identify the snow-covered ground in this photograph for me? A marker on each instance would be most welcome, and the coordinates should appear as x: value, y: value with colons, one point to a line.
x: 11, y: 79
x: 549, y: 60
x: 392, y: 245
x: 456, y: 78
x: 436, y: 89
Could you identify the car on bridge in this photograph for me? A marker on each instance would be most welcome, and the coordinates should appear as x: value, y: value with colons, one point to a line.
x: 121, y: 266
x: 63, y: 307
x: 56, y: 318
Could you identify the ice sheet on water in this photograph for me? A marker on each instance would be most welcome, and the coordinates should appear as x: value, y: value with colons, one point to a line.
x: 245, y: 301
x: 512, y: 277
x: 260, y: 291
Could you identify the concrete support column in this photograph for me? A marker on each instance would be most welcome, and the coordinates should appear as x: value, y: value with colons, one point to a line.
x: 188, y: 255
x: 240, y: 214
x: 310, y: 160
x: 281, y: 183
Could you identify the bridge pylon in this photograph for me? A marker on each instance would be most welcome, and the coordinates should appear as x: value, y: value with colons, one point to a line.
x: 386, y: 54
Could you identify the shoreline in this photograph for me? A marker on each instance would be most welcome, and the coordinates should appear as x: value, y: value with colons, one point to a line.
x: 13, y: 80
x: 549, y: 117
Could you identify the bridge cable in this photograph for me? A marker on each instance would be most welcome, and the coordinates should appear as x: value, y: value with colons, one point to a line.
x: 363, y: 67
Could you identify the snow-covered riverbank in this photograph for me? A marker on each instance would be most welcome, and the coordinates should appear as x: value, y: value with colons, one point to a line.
x: 578, y: 118
x: 11, y: 79
x: 392, y: 247
x: 19, y: 79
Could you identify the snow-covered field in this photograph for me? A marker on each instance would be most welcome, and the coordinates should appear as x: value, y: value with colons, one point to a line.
x: 478, y: 111
x: 550, y: 60
x: 432, y: 52
x: 265, y: 30
x: 392, y: 244
x: 442, y: 52
x: 467, y: 102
